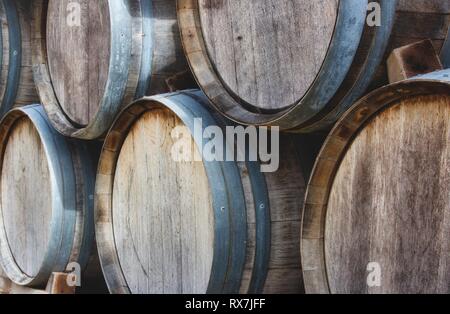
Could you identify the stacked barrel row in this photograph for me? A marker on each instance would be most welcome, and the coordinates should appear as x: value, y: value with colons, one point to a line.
x: 96, y: 96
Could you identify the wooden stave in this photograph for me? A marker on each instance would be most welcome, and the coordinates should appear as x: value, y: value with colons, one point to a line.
x: 263, y: 273
x: 116, y: 281
x: 396, y: 35
x: 445, y: 53
x: 120, y: 22
x: 222, y: 243
x: 366, y: 76
x: 223, y: 176
x: 71, y: 227
x: 19, y: 87
x: 134, y: 70
x: 360, y: 75
x: 292, y: 118
x: 330, y: 157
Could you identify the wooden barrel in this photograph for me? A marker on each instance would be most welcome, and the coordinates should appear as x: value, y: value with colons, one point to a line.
x: 46, y: 199
x: 16, y: 77
x: 376, y: 217
x: 166, y: 226
x: 137, y: 52
x: 297, y: 64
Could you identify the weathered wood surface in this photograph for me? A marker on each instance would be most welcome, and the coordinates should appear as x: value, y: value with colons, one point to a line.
x: 164, y: 229
x: 268, y: 55
x: 247, y: 56
x: 419, y: 19
x: 166, y: 226
x: 286, y: 189
x: 26, y: 198
x: 83, y: 86
x: 4, y: 282
x: 46, y: 202
x: 78, y: 57
x: 380, y: 194
x: 16, y: 78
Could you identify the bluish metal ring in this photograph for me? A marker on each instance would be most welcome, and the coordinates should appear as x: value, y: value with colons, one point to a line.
x: 237, y: 214
x: 62, y: 224
x: 148, y: 34
x: 263, y: 237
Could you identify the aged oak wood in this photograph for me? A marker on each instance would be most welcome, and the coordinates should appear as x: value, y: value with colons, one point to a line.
x: 255, y: 50
x: 166, y: 225
x: 16, y: 78
x: 26, y: 204
x: 46, y: 199
x: 298, y: 64
x: 379, y: 195
x: 83, y: 86
x: 152, y: 258
x: 78, y: 57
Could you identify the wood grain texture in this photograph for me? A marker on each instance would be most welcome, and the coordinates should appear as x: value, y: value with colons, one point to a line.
x: 46, y: 204
x: 227, y: 70
x: 26, y: 199
x: 78, y: 56
x: 170, y: 70
x: 164, y: 228
x: 286, y: 190
x: 83, y: 86
x: 379, y: 194
x: 286, y: 193
x: 158, y: 225
x: 26, y: 91
x: 390, y: 203
x: 268, y: 53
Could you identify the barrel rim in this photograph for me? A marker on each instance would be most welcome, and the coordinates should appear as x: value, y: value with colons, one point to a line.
x: 262, y: 212
x: 62, y: 223
x: 147, y: 57
x: 373, y: 56
x: 343, y: 47
x: 227, y: 266
x: 119, y: 81
x: 330, y: 158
